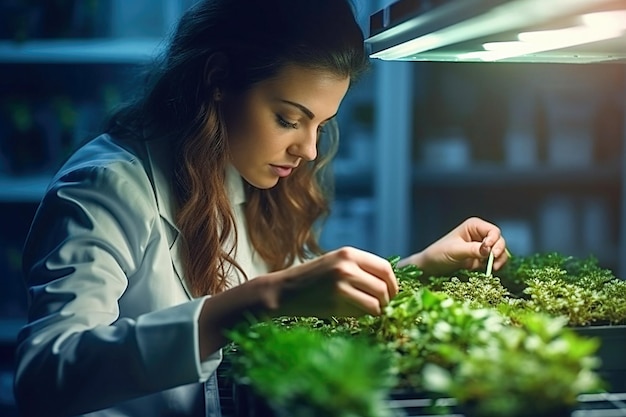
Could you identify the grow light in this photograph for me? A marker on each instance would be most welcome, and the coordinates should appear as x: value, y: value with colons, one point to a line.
x: 577, y: 31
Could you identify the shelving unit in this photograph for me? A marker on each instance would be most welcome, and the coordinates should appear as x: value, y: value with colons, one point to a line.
x: 36, y: 75
x: 88, y: 53
x: 537, y: 149
x: 30, y: 66
x: 489, y: 176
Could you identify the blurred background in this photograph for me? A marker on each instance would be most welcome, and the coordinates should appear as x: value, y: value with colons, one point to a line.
x: 536, y: 148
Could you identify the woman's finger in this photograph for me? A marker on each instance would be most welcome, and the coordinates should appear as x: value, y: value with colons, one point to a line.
x: 373, y: 286
x: 500, y: 253
x: 381, y: 269
x: 484, y: 231
x: 377, y: 267
x: 357, y: 302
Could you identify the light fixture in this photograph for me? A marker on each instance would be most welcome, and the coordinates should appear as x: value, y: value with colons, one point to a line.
x: 500, y: 30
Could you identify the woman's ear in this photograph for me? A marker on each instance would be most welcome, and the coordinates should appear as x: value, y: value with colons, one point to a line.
x: 216, y: 73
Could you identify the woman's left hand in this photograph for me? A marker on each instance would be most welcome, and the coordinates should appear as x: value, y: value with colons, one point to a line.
x: 465, y: 247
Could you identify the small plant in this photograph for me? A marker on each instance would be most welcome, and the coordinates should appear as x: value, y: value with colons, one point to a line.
x: 421, y: 327
x: 497, y: 349
x: 481, y: 358
x: 536, y: 369
x: 304, y: 373
x: 550, y: 283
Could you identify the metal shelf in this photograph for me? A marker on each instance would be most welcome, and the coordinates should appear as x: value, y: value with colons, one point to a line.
x: 9, y: 329
x: 28, y: 189
x: 501, y: 175
x: 85, y: 51
x: 589, y: 405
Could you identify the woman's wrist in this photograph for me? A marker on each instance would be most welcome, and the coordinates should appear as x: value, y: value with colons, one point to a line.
x: 422, y: 260
x: 415, y: 259
x: 267, y: 288
x: 220, y: 313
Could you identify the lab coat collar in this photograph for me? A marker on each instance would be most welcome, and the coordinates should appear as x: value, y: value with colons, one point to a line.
x: 162, y: 170
x: 234, y: 186
x: 160, y: 164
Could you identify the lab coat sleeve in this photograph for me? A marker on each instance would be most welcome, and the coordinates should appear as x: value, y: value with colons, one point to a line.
x: 76, y: 354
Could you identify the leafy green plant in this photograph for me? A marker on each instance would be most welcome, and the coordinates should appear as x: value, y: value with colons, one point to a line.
x: 479, y: 356
x: 304, y: 373
x: 419, y: 326
x: 467, y: 336
x: 549, y: 283
x: 536, y: 369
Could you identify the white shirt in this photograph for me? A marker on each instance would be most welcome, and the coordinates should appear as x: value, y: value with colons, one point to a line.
x: 112, y: 326
x: 245, y: 254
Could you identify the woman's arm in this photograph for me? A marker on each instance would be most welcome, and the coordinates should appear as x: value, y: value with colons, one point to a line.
x: 108, y: 320
x: 345, y: 282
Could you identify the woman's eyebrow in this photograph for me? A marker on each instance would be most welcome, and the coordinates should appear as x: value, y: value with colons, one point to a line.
x: 305, y: 110
x: 302, y: 108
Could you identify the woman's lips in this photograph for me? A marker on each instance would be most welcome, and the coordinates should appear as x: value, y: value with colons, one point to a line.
x: 282, y: 170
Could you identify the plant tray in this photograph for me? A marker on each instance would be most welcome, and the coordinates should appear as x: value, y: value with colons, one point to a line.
x: 589, y: 405
x: 240, y: 401
x: 611, y: 353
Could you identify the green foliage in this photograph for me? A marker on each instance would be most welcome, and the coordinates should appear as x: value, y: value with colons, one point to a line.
x: 421, y: 327
x: 550, y: 283
x: 538, y: 368
x: 478, y: 356
x: 408, y: 276
x: 480, y: 290
x: 329, y: 327
x: 304, y: 373
x: 492, y: 343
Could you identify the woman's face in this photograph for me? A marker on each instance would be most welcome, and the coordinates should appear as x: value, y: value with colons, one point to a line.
x: 273, y: 128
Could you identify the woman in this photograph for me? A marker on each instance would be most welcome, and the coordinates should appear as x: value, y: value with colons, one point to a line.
x: 198, y: 207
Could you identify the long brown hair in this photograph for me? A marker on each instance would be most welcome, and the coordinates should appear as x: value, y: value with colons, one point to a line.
x: 231, y: 45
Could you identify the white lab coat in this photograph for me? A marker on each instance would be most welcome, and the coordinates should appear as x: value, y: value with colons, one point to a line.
x: 112, y: 326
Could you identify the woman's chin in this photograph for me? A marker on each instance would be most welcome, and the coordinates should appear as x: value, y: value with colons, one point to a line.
x: 264, y: 183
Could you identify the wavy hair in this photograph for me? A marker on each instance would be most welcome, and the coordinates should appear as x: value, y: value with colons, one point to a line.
x: 232, y: 45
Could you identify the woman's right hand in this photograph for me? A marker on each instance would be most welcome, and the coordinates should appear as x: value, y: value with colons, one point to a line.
x: 344, y: 282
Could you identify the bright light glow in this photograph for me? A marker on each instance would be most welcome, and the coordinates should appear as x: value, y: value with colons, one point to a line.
x: 484, y: 18
x: 423, y: 43
x: 512, y: 49
x: 615, y: 20
x: 504, y: 46
x: 598, y: 26
x: 495, y: 20
x: 577, y: 34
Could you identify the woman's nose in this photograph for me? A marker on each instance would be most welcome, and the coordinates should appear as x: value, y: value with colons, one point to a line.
x: 305, y: 147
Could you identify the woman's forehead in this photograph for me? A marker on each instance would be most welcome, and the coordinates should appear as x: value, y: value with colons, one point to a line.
x: 318, y: 90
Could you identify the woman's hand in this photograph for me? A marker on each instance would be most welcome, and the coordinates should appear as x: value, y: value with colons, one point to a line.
x: 345, y: 282
x: 465, y: 247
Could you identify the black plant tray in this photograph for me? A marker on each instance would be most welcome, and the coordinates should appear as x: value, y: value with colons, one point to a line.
x: 590, y: 405
x: 240, y: 401
x: 611, y: 353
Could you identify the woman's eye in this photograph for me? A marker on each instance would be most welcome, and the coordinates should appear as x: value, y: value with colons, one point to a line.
x: 286, y: 124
